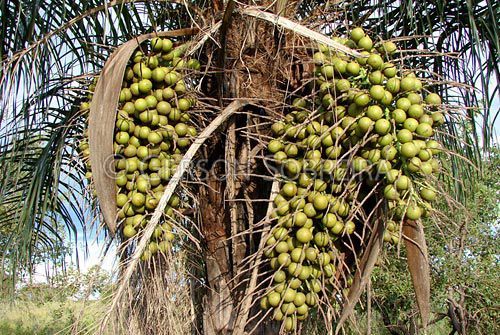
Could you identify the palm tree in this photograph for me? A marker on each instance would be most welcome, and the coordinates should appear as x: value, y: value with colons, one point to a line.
x: 53, y: 49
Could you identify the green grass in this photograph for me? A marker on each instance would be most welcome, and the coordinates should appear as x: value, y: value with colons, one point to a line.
x: 49, y: 318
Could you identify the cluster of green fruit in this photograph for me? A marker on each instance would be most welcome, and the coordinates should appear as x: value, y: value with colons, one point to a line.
x: 362, y: 129
x: 314, y: 209
x: 152, y: 132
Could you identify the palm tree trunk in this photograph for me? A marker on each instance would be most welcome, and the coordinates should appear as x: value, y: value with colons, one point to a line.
x: 249, y: 64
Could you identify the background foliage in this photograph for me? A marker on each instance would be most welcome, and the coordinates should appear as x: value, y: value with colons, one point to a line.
x: 53, y: 308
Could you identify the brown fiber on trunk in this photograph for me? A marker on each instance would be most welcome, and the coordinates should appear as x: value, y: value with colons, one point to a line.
x: 251, y: 69
x: 218, y: 303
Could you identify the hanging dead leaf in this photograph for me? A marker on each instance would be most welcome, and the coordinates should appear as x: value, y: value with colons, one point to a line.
x: 102, y: 122
x: 418, y: 264
x: 363, y: 272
